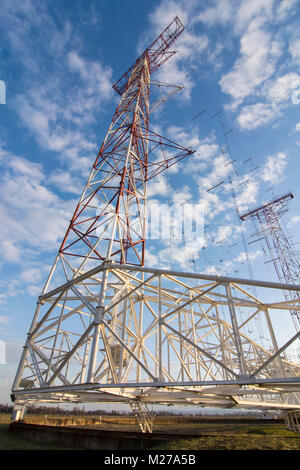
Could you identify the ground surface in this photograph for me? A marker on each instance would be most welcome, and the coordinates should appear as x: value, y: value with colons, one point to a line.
x: 233, y: 437
x: 204, y: 436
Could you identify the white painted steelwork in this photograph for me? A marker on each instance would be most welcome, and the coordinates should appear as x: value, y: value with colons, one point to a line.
x: 164, y: 337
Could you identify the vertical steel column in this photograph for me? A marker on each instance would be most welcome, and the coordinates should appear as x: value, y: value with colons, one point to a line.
x: 273, y: 338
x: 160, y: 375
x: 235, y: 328
x: 21, y: 366
x: 142, y: 71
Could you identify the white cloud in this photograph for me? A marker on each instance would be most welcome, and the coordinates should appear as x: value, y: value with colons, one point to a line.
x: 98, y: 78
x: 65, y: 181
x: 221, y: 12
x: 180, y: 253
x: 32, y: 216
x: 181, y: 196
x: 277, y: 94
x: 165, y: 12
x: 34, y: 290
x: 219, y: 170
x: 23, y: 22
x: 204, y: 149
x: 244, y: 257
x: 280, y: 90
x: 20, y: 165
x: 213, y: 200
x: 258, y: 56
x: 61, y: 90
x: 293, y: 220
x: 157, y: 186
x: 238, y: 14
x: 246, y: 11
x: 223, y: 233
x: 273, y: 170
x: 256, y: 115
x: 286, y: 8
x: 294, y: 49
x: 31, y: 275
x: 297, y: 128
x: 212, y: 204
x: 221, y: 269
x: 10, y: 252
x: 60, y: 122
x: 248, y: 195
x: 255, y: 74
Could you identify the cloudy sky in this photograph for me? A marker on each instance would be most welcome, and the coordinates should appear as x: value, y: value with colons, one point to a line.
x: 239, y: 110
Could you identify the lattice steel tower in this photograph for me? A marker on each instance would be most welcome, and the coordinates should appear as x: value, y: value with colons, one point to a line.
x: 109, y: 329
x: 109, y: 222
x: 283, y: 257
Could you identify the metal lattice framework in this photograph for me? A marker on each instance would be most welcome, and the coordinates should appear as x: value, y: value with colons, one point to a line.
x: 108, y: 329
x: 283, y: 257
x: 165, y: 337
x: 109, y: 221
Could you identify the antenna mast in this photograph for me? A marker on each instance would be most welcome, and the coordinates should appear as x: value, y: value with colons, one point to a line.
x: 283, y: 257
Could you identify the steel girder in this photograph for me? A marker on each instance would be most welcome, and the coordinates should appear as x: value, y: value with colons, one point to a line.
x: 164, y: 337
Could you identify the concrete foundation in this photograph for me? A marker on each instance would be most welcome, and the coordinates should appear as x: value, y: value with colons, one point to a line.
x: 92, y: 439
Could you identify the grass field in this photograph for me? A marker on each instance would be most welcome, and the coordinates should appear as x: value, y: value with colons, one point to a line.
x: 215, y: 436
x: 246, y: 438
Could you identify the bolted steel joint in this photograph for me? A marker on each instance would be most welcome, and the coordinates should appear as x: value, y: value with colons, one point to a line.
x: 99, y: 314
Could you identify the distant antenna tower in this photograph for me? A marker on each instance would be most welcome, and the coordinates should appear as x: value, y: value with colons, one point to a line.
x: 283, y: 257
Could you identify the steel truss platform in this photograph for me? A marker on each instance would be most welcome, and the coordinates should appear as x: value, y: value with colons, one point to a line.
x: 161, y: 337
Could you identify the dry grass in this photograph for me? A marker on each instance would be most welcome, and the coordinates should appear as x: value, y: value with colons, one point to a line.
x: 203, y: 436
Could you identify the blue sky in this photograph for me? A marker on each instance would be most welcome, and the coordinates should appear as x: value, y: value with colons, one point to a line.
x: 59, y: 60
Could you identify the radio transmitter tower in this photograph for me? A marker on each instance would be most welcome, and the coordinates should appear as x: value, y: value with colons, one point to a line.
x: 109, y: 222
x: 109, y: 328
x: 285, y: 262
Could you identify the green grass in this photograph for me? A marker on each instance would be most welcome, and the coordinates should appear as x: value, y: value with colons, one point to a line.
x: 269, y: 437
x: 227, y: 443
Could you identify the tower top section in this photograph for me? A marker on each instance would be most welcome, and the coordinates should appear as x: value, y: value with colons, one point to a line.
x: 158, y: 52
x: 275, y: 203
